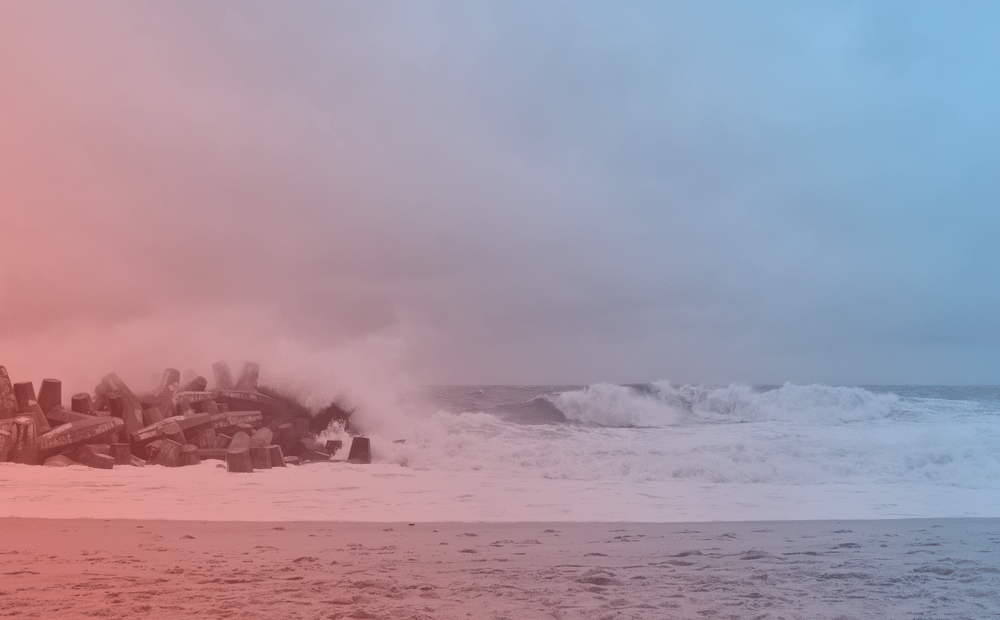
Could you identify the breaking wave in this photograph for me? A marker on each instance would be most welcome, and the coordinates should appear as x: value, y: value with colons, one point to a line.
x: 661, y: 404
x: 735, y: 434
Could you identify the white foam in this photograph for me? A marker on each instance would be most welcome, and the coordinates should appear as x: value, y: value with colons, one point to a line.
x: 341, y: 492
x: 744, y: 453
x: 617, y: 405
x: 664, y: 404
x: 791, y: 435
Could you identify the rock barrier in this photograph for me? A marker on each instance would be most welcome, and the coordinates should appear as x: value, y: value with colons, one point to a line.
x: 247, y: 426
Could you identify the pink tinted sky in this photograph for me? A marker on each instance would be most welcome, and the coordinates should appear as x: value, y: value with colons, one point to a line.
x: 495, y: 193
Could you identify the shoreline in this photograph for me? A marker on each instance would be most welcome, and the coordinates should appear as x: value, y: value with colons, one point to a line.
x: 323, y: 569
x: 491, y: 523
x: 382, y: 492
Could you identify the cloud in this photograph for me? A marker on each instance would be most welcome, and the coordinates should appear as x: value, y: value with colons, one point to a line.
x: 512, y: 192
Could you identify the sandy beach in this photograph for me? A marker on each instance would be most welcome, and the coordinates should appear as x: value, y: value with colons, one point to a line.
x: 85, y: 568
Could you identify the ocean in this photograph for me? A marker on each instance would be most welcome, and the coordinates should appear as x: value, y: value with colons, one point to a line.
x: 768, y: 451
x: 661, y: 433
x: 643, y: 453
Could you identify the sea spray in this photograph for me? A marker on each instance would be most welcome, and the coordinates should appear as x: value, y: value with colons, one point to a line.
x: 619, y: 405
x: 661, y: 404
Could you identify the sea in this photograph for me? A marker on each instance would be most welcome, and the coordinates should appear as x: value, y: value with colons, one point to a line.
x: 650, y: 452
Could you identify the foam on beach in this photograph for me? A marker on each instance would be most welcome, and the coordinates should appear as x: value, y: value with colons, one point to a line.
x: 340, y: 491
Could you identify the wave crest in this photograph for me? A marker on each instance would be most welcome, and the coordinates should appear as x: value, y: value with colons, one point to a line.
x: 661, y: 404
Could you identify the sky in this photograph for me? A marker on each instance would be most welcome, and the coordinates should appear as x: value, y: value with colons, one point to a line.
x: 501, y: 192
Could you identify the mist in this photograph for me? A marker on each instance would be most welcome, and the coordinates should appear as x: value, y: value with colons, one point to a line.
x: 369, y: 197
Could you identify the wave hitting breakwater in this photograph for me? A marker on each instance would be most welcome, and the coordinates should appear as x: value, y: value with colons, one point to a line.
x: 738, y: 434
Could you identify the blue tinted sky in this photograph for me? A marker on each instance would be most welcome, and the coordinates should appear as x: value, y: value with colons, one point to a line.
x: 507, y: 192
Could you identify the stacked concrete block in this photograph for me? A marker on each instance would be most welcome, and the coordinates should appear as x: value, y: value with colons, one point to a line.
x: 248, y: 426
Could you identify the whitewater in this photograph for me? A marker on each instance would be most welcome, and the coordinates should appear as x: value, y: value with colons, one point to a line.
x: 642, y: 453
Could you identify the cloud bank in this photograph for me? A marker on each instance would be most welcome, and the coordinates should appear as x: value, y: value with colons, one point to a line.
x: 501, y: 192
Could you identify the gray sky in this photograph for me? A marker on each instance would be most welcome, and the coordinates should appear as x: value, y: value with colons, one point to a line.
x: 503, y: 192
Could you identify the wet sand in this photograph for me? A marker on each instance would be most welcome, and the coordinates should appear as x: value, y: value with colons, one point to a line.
x: 87, y: 568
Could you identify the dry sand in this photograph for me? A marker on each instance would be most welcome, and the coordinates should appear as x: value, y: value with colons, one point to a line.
x: 942, y: 568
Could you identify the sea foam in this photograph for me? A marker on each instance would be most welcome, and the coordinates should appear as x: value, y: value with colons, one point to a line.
x: 661, y: 404
x: 730, y: 435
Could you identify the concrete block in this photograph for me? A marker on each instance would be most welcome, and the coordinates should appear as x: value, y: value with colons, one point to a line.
x: 24, y: 392
x: 8, y: 401
x: 238, y: 454
x: 361, y: 451
x: 50, y: 394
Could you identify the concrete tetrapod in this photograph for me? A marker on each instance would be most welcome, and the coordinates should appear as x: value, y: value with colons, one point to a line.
x: 163, y: 396
x: 50, y: 394
x: 6, y: 439
x: 65, y: 437
x: 58, y: 416
x: 41, y: 422
x: 24, y: 445
x: 24, y: 392
x: 277, y: 458
x: 8, y: 401
x: 361, y: 451
x: 130, y: 407
x: 260, y: 457
x: 238, y: 454
x: 164, y: 452
x: 189, y: 455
